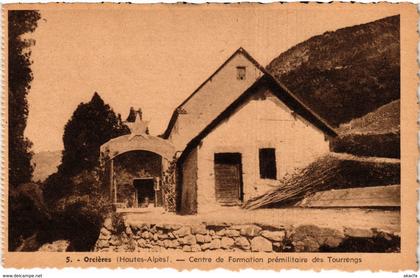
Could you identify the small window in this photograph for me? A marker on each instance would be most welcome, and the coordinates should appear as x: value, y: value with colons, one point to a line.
x: 241, y: 73
x: 268, y: 169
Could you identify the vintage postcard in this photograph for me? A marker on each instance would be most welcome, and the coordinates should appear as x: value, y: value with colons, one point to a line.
x: 263, y: 136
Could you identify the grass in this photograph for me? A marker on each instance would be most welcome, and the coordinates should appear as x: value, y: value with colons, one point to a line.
x: 385, y: 119
x: 379, y: 145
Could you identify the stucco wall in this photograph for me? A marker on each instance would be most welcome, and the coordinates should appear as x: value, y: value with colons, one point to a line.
x: 217, y: 94
x: 261, y: 122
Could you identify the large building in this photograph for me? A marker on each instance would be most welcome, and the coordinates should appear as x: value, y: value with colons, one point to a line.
x: 231, y: 140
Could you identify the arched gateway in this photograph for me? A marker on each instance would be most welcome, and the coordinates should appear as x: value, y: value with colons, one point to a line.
x: 134, y: 166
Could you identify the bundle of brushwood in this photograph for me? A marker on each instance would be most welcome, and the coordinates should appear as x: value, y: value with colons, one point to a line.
x: 333, y: 171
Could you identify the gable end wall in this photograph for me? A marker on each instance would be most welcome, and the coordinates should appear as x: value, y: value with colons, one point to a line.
x: 212, y: 99
x: 263, y: 121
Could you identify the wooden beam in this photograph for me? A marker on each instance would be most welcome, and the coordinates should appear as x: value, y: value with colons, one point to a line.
x: 377, y: 196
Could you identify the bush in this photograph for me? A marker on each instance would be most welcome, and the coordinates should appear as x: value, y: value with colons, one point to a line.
x: 55, y: 187
x: 27, y: 216
x: 118, y: 223
x: 380, y: 145
x: 78, y: 216
x: 81, y: 219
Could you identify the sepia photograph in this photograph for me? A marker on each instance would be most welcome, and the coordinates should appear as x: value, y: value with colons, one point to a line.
x: 239, y: 129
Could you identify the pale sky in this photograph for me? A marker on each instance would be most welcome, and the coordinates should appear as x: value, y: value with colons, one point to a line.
x: 154, y: 57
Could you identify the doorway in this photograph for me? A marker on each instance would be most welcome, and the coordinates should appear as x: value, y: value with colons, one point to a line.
x: 145, y: 192
x: 228, y: 178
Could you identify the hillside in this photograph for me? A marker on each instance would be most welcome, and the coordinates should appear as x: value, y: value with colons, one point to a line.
x: 45, y: 163
x: 347, y: 73
x: 375, y: 134
x: 385, y: 119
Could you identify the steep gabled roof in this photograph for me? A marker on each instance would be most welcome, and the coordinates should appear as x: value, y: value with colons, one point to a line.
x: 281, y: 92
x: 267, y: 79
x: 179, y: 109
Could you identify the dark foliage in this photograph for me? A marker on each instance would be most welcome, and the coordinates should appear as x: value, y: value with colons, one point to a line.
x: 345, y: 74
x: 79, y: 215
x: 386, y: 119
x: 76, y: 217
x: 381, y: 145
x: 27, y: 215
x: 26, y: 210
x: 75, y: 194
x: 56, y: 186
x: 19, y: 79
x: 375, y: 134
x: 91, y: 125
x: 364, y: 245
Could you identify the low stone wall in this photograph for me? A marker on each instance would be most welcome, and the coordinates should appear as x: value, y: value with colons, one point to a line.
x: 245, y: 238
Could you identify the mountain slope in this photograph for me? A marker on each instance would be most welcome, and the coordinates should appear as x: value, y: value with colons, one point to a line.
x: 347, y: 73
x: 45, y: 163
x: 385, y: 119
x: 375, y: 134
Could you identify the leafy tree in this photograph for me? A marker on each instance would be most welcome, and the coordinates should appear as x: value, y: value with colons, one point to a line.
x: 91, y: 125
x: 20, y: 77
x: 75, y: 193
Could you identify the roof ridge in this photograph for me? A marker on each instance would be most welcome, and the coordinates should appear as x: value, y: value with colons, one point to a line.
x: 265, y: 72
x: 179, y: 107
x: 267, y: 77
x: 316, y: 115
x: 239, y: 50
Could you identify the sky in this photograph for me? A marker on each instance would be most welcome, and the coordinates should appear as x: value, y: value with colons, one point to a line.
x: 153, y: 57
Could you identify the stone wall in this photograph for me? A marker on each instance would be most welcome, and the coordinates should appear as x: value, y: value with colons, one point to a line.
x: 245, y: 238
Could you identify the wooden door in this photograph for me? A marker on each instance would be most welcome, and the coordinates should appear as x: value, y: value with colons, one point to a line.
x: 228, y: 178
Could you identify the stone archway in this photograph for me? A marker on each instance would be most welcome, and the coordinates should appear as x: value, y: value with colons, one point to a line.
x: 137, y: 179
x: 132, y: 164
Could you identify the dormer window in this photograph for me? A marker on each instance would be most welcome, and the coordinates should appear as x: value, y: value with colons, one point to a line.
x: 240, y: 73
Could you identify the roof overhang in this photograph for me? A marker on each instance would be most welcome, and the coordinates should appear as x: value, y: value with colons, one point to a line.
x: 282, y: 93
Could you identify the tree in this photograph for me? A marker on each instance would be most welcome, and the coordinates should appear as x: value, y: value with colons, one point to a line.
x: 27, y: 216
x: 75, y: 193
x: 19, y: 79
x: 84, y: 209
x: 91, y: 125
